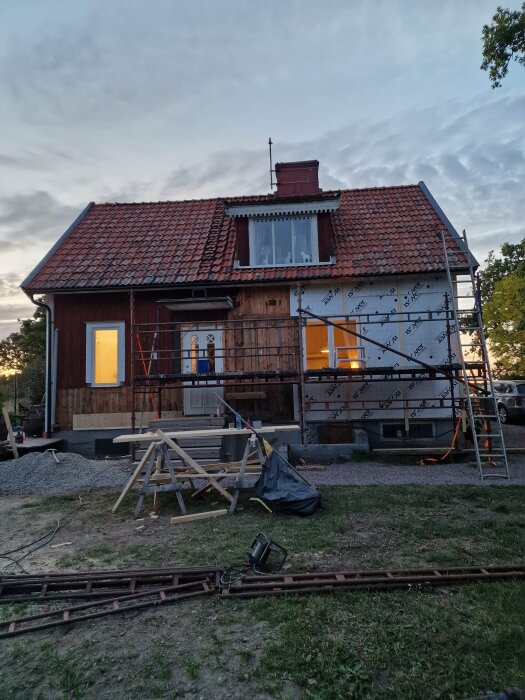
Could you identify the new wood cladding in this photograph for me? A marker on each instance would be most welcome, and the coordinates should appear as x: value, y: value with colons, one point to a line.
x: 86, y: 400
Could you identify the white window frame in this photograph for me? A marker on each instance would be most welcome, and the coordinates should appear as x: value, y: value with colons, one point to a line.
x: 119, y: 326
x: 314, y: 241
x: 332, y: 349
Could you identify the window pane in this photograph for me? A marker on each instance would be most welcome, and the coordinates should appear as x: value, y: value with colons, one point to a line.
x: 302, y: 241
x: 194, y: 353
x: 262, y: 238
x: 283, y: 242
x: 106, y: 356
x: 317, y: 352
x: 211, y: 352
x: 345, y: 345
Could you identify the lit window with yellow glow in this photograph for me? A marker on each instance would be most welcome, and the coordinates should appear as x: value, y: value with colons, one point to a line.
x: 105, y: 354
x: 317, y: 350
x: 327, y: 346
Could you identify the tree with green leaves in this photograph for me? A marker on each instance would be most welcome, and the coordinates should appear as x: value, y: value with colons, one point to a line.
x: 503, y: 41
x: 495, y: 268
x: 24, y: 353
x: 502, y: 290
x: 505, y: 323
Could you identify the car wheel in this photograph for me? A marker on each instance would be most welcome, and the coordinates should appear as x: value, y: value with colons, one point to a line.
x: 503, y: 414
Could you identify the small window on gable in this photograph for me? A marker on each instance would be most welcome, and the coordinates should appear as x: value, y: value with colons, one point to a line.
x: 105, y: 353
x: 286, y: 241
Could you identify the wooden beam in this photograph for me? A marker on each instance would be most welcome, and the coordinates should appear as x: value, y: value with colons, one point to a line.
x: 194, y: 465
x: 198, y: 516
x: 438, y: 450
x: 187, y: 476
x: 205, y: 432
x: 240, y: 395
x: 133, y: 477
x: 12, y: 440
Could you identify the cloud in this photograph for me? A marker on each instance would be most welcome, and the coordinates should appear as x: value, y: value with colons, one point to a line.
x: 9, y: 284
x: 36, y: 159
x: 33, y: 218
x: 119, y: 63
x: 224, y: 173
x: 470, y: 154
x: 124, y: 62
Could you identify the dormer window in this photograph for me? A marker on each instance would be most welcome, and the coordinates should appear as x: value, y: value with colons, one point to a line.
x: 281, y: 233
x: 286, y: 241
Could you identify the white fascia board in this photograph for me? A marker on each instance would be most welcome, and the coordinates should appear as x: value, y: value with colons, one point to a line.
x: 286, y: 209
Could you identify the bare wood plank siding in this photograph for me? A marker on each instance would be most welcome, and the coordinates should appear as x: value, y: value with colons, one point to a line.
x: 252, y: 302
x: 263, y: 342
x: 249, y: 348
x: 275, y: 407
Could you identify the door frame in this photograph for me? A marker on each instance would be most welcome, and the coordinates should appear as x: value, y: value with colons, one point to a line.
x: 186, y: 330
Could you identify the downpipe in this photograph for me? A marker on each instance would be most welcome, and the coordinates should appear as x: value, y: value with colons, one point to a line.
x: 48, y: 428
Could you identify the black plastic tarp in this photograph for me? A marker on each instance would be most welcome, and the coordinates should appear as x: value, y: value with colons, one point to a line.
x: 284, y: 489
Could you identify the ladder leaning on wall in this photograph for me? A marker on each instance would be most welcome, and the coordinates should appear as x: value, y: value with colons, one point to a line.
x: 479, y: 401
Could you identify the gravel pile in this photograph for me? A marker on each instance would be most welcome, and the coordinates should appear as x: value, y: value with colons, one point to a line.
x: 38, y: 473
x: 372, y: 473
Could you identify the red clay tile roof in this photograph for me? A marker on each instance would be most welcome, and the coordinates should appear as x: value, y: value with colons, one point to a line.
x: 377, y: 231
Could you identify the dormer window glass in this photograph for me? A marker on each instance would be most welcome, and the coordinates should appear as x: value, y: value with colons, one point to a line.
x: 283, y: 241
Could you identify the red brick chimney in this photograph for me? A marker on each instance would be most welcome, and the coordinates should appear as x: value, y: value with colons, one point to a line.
x: 301, y: 177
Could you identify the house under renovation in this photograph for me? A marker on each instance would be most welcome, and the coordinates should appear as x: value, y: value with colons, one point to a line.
x: 334, y: 309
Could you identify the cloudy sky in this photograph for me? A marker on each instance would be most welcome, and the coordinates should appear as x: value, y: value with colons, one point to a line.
x: 133, y: 101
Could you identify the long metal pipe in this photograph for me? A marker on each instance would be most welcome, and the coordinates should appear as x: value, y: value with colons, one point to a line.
x: 48, y: 427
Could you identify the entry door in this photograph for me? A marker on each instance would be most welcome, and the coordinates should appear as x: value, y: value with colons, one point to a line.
x: 202, y: 353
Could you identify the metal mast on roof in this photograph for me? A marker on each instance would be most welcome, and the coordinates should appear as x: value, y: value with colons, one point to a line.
x: 272, y: 183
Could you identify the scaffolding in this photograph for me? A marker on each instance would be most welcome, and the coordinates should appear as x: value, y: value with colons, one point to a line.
x: 257, y: 353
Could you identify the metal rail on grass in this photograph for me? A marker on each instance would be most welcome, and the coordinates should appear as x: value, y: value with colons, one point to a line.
x: 250, y: 586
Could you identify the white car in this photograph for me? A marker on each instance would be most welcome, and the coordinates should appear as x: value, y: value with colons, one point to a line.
x: 510, y: 396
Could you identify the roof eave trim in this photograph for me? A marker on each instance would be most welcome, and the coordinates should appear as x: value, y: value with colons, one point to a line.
x: 31, y: 276
x: 455, y: 235
x: 286, y: 208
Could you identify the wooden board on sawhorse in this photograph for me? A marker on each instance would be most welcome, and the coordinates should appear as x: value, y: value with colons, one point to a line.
x: 158, y: 460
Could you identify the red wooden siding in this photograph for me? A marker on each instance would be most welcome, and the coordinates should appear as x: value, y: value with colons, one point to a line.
x: 72, y: 312
x: 243, y: 246
x: 326, y: 238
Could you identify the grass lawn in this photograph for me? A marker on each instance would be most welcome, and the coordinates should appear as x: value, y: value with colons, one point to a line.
x: 441, y: 643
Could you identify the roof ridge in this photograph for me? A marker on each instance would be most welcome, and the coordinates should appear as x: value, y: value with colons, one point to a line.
x: 230, y: 198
